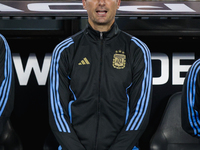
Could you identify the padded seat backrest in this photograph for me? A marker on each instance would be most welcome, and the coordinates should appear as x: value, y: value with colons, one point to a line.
x: 51, y: 143
x: 170, y: 135
x: 9, y: 140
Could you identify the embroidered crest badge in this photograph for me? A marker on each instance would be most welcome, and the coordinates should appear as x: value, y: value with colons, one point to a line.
x: 119, y: 60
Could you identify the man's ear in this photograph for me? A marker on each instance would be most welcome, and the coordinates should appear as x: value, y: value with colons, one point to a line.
x: 118, y: 3
x: 84, y: 4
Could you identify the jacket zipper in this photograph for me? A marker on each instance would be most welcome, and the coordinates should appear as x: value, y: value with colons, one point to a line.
x: 98, y: 103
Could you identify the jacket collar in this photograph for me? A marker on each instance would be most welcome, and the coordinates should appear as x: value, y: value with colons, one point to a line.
x: 96, y: 35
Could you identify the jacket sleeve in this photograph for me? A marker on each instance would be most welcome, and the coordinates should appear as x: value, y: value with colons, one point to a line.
x: 139, y: 99
x: 190, y: 106
x: 6, y: 83
x: 60, y: 97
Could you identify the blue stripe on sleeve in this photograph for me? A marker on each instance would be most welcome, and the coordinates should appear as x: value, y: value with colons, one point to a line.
x: 127, y: 111
x: 193, y: 115
x: 70, y: 103
x: 56, y: 106
x: 143, y: 101
x: 6, y: 83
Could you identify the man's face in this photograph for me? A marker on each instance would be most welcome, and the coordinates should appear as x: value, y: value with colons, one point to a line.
x: 101, y: 12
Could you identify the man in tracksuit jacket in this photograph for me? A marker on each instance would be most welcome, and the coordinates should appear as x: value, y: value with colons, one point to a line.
x: 6, y: 83
x: 190, y: 106
x: 100, y: 84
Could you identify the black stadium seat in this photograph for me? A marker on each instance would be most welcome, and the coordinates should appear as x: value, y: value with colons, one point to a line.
x: 50, y: 142
x: 170, y: 135
x: 9, y: 139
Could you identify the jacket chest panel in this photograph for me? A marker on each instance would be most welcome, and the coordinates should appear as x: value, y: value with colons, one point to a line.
x: 100, y: 63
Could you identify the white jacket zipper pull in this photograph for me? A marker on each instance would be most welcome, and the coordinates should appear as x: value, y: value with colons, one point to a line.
x: 101, y: 35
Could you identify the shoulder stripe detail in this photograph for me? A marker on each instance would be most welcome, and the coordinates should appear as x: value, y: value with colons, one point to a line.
x: 143, y: 101
x: 6, y: 83
x: 56, y: 106
x: 193, y: 115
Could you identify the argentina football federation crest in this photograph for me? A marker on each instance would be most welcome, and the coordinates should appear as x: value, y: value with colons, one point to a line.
x: 119, y: 60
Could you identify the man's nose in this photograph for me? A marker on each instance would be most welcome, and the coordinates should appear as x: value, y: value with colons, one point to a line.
x: 101, y: 2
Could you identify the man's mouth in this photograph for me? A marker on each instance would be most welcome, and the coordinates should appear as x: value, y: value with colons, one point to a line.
x: 101, y: 12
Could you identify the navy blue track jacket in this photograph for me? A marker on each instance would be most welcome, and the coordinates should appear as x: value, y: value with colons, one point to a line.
x: 6, y: 83
x: 100, y: 90
x: 190, y: 107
